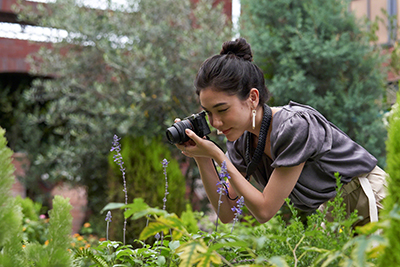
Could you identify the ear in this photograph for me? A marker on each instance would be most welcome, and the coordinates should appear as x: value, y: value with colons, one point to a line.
x: 254, y: 97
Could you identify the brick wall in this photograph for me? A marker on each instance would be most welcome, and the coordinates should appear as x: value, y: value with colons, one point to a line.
x: 21, y: 164
x: 6, y: 5
x: 13, y: 53
x: 77, y: 194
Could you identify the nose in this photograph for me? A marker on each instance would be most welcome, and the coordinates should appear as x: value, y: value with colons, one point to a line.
x: 216, y: 121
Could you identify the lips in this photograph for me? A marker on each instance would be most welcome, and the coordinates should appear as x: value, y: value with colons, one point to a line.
x: 226, y: 131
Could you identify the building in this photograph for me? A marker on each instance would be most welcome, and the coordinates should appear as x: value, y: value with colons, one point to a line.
x: 385, y: 15
x: 373, y: 9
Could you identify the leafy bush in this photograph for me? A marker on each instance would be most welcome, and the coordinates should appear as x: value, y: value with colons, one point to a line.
x: 10, y: 212
x: 179, y: 242
x: 142, y: 163
x: 316, y: 53
x: 275, y: 243
x: 391, y: 256
x: 15, y: 252
x: 34, y: 224
x: 54, y: 253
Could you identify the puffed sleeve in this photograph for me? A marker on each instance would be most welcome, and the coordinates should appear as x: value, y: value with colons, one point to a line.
x: 299, y: 137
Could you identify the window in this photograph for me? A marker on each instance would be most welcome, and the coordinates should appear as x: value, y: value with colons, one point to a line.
x: 392, y: 20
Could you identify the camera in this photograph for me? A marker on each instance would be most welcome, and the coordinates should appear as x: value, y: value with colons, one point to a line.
x: 196, y: 122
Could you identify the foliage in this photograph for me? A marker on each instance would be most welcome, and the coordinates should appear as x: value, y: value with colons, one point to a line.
x: 276, y: 243
x: 34, y: 225
x: 314, y: 52
x: 143, y: 164
x: 14, y: 250
x: 55, y: 251
x: 391, y: 257
x: 124, y: 70
x: 10, y: 212
x: 13, y: 110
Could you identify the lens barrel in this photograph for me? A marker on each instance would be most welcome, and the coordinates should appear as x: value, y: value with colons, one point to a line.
x: 176, y: 133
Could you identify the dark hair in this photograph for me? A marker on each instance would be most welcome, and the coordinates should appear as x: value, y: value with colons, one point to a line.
x: 232, y: 72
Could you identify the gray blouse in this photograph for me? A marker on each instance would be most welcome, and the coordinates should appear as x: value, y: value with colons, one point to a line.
x: 301, y: 134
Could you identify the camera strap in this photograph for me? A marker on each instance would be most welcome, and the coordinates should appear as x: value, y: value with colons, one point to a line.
x: 255, y: 160
x: 266, y: 121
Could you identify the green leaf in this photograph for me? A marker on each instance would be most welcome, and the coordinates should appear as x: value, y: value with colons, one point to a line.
x: 191, y: 252
x: 112, y: 206
x: 331, y: 257
x: 173, y: 245
x: 207, y: 258
x: 358, y: 253
x: 124, y: 252
x: 161, y: 261
x: 139, y: 209
x: 241, y: 244
x: 369, y: 228
x: 171, y: 221
x: 278, y: 262
x: 152, y: 229
x: 376, y: 251
x: 395, y: 212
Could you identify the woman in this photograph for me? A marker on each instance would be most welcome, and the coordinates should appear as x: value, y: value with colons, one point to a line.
x: 292, y: 151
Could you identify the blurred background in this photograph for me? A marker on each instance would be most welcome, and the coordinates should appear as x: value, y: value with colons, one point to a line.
x: 75, y: 73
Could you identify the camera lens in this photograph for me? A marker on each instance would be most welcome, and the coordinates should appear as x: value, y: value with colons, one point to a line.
x: 172, y: 135
x: 176, y: 133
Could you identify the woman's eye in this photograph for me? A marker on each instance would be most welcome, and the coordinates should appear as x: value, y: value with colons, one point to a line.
x: 222, y: 110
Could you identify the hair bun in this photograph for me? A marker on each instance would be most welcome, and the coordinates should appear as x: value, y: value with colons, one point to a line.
x: 240, y: 48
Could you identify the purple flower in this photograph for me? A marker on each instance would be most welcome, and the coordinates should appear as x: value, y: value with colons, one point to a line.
x: 224, y: 171
x: 108, y: 216
x: 238, y: 208
x: 222, y: 188
x: 108, y: 220
x: 157, y: 236
x: 165, y: 165
x: 118, y: 159
x: 115, y: 144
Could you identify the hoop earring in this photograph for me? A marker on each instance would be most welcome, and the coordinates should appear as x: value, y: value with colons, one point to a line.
x: 254, y: 118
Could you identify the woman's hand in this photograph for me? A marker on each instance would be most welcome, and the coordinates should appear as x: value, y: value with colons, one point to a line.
x: 198, y: 147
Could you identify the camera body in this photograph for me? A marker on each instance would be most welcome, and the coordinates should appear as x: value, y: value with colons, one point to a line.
x: 196, y: 122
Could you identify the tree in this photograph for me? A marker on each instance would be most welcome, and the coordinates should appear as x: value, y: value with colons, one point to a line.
x: 315, y: 52
x: 391, y: 202
x: 124, y: 71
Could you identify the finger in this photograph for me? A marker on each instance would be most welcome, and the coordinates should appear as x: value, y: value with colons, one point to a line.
x: 180, y: 146
x: 177, y: 120
x: 193, y: 136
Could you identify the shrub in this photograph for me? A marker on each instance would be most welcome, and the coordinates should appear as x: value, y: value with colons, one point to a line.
x: 54, y: 253
x: 315, y: 52
x: 142, y: 161
x: 13, y: 252
x: 391, y: 256
x: 10, y: 212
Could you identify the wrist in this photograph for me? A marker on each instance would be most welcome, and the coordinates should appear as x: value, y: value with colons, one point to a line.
x: 219, y: 157
x: 201, y: 160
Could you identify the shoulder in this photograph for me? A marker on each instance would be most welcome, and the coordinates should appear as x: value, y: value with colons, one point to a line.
x: 296, y: 117
x: 295, y: 110
x: 299, y: 132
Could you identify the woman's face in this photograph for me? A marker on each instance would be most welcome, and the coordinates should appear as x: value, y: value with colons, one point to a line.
x: 226, y: 113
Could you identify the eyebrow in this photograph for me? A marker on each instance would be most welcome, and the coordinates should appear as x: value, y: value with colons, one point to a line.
x: 216, y: 105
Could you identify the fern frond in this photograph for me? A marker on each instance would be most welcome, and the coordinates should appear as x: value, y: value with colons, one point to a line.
x: 87, y: 253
